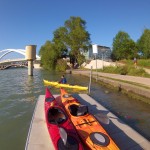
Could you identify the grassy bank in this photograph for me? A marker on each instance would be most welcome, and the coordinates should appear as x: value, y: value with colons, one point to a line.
x: 118, y: 86
x: 144, y: 63
x: 125, y: 70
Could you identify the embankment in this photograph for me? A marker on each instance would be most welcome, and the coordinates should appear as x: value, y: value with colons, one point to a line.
x: 135, y: 87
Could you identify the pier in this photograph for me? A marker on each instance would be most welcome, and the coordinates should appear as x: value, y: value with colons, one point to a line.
x: 124, y: 136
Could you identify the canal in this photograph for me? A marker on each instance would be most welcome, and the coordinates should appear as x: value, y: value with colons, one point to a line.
x: 19, y: 93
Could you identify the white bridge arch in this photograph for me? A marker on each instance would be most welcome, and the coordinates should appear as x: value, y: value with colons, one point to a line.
x: 20, y: 51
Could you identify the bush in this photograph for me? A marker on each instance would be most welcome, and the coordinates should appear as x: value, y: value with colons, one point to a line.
x: 140, y: 62
x: 137, y: 72
x: 61, y: 65
x: 125, y: 70
x: 144, y: 63
x: 117, y: 70
x: 109, y: 69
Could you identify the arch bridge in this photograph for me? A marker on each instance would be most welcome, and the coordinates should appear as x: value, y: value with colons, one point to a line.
x: 20, y: 51
x: 20, y: 65
x: 8, y: 63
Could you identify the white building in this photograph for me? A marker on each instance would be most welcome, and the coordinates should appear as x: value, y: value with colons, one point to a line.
x: 103, y: 52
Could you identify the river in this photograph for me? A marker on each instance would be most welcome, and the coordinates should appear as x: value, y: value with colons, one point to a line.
x: 19, y: 93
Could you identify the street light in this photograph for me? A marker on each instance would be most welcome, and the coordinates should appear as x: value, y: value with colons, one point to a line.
x: 95, y: 51
x: 103, y: 51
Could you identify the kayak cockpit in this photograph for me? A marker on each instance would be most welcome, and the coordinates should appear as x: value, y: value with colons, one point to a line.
x: 56, y: 116
x: 78, y: 110
x: 67, y: 95
x: 49, y: 99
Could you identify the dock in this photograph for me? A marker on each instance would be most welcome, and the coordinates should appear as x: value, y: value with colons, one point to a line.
x: 124, y: 136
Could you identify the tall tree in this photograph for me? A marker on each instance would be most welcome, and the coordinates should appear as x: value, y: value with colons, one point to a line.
x: 144, y: 44
x: 123, y: 47
x: 73, y: 36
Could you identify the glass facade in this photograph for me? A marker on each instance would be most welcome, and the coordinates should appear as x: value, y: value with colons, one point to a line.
x: 104, y: 52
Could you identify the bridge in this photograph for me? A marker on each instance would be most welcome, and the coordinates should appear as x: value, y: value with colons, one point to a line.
x: 20, y: 62
x: 14, y: 65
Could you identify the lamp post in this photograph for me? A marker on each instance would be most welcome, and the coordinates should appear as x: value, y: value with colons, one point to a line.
x: 103, y: 51
x: 95, y: 51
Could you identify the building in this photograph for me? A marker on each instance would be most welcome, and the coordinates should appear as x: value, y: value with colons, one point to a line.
x: 103, y: 52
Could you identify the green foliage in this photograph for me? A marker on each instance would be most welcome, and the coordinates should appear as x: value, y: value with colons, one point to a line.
x: 125, y: 70
x: 81, y: 59
x: 109, y: 69
x: 140, y: 62
x: 72, y: 37
x: 77, y: 39
x: 49, y: 56
x: 59, y: 40
x: 123, y: 47
x: 144, y: 63
x: 61, y: 65
x: 117, y: 70
x: 144, y: 44
x: 137, y: 72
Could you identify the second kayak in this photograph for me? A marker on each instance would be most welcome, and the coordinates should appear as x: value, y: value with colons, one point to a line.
x: 87, y: 126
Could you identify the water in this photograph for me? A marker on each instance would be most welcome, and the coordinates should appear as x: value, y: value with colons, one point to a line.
x: 19, y: 93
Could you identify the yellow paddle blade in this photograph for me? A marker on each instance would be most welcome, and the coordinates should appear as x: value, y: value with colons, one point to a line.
x: 59, y: 85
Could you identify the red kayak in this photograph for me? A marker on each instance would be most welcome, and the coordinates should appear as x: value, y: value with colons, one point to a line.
x: 60, y: 128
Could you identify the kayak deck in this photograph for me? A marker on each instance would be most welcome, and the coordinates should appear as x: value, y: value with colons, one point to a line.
x: 59, y: 85
x: 89, y: 129
x: 123, y: 135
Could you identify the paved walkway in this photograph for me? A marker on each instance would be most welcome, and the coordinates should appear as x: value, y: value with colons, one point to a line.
x: 140, y: 80
x: 138, y: 87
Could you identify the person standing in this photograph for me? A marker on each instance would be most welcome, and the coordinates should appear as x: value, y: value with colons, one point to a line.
x: 135, y: 62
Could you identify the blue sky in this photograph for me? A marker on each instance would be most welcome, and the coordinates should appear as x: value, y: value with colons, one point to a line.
x: 25, y: 22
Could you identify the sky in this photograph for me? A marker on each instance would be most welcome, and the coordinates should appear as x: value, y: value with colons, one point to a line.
x: 32, y: 22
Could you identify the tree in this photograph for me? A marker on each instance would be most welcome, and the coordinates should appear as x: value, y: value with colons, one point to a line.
x: 61, y: 65
x: 81, y: 59
x: 49, y: 55
x: 73, y: 36
x: 144, y: 44
x: 123, y: 47
x: 59, y: 39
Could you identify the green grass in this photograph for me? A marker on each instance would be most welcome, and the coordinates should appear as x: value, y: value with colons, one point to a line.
x: 144, y: 63
x: 140, y: 62
x: 125, y: 70
x: 128, y: 68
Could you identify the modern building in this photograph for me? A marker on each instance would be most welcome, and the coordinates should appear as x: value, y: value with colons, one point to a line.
x: 103, y: 52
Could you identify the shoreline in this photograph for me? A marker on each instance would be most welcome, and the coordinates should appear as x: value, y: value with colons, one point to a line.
x: 138, y: 89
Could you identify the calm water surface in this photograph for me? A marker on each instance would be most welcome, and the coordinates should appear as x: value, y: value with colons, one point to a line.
x: 19, y: 93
